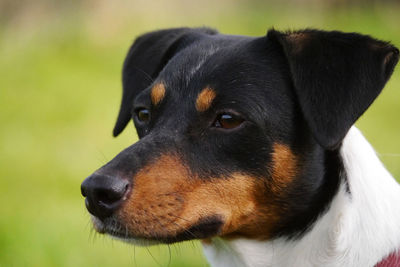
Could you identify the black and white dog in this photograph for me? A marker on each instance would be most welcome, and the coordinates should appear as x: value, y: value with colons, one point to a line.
x: 248, y: 144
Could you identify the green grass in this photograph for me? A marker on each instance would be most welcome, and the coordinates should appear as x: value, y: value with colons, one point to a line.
x: 59, y: 97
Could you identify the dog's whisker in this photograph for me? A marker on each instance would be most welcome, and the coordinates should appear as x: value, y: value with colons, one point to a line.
x: 173, y: 193
x: 126, y: 231
x: 174, y: 222
x: 169, y: 255
x: 185, y: 230
x: 179, y: 217
x: 134, y: 255
x: 90, y: 236
x: 151, y: 255
x: 88, y: 224
x: 176, y: 247
x: 146, y: 75
x: 104, y: 158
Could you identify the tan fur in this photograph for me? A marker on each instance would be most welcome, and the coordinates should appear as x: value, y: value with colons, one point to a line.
x: 388, y: 57
x: 157, y: 93
x: 298, y: 41
x: 166, y: 200
x: 205, y: 99
x: 284, y: 168
x: 298, y: 37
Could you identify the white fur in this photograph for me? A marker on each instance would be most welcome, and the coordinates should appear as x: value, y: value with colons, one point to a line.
x: 359, y: 229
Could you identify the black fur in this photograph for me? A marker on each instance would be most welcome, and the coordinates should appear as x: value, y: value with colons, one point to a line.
x: 303, y: 89
x: 336, y: 77
x: 145, y: 59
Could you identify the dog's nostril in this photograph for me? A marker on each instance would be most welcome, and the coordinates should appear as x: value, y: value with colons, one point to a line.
x: 126, y: 189
x: 111, y: 195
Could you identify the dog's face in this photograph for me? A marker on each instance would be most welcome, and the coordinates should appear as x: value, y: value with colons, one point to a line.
x: 238, y: 136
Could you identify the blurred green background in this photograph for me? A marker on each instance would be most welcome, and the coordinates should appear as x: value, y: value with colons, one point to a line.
x: 60, y: 89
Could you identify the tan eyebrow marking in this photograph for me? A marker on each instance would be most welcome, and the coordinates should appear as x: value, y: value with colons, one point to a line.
x: 157, y: 93
x: 205, y: 99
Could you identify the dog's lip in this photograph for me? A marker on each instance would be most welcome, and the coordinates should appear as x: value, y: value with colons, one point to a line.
x: 204, y: 228
x: 104, y: 228
x: 98, y: 225
x: 109, y: 228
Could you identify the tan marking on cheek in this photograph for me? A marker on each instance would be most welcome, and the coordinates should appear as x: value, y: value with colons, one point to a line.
x: 284, y: 168
x: 205, y: 99
x: 240, y: 200
x: 167, y: 200
x: 157, y: 93
x: 157, y: 199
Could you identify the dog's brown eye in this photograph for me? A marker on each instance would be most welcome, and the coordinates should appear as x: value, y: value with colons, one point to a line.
x: 143, y: 115
x: 227, y: 121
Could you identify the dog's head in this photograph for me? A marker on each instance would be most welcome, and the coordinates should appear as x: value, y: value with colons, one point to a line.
x: 239, y: 136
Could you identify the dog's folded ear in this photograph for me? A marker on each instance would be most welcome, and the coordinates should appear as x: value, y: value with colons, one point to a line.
x: 145, y: 59
x: 336, y: 77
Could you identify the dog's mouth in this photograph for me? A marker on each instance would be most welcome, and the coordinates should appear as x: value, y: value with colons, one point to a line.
x: 115, y: 229
x: 202, y: 229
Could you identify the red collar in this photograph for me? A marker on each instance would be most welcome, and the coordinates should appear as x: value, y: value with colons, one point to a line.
x: 393, y: 260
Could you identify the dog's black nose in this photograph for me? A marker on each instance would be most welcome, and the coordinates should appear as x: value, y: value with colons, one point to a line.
x: 104, y: 194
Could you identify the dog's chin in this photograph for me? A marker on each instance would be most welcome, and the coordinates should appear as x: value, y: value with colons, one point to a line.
x: 109, y: 228
x: 206, y: 228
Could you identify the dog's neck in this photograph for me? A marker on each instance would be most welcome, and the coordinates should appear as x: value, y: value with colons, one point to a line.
x: 359, y: 229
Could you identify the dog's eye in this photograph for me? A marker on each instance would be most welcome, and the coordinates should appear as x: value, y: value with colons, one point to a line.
x: 227, y: 121
x: 143, y: 115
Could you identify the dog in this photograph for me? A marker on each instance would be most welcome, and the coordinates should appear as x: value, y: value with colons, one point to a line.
x: 248, y: 144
